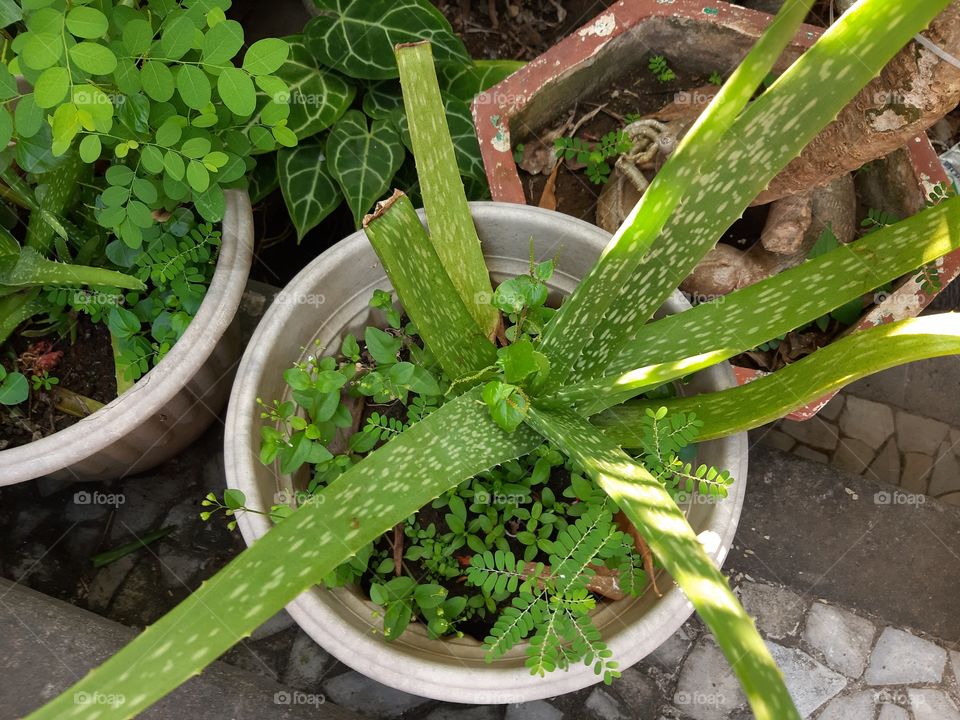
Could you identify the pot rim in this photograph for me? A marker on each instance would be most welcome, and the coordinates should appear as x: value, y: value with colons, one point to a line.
x: 443, y: 676
x: 155, y: 389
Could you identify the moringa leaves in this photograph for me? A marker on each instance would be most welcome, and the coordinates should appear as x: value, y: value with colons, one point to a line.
x: 316, y: 96
x: 308, y: 189
x: 357, y: 37
x: 363, y: 159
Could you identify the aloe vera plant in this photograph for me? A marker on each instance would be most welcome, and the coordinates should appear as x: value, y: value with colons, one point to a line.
x: 596, y: 352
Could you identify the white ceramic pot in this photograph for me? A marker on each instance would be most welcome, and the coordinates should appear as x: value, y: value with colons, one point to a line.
x: 170, y: 406
x: 328, y: 298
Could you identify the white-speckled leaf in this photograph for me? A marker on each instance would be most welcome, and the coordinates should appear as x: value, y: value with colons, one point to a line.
x: 363, y: 503
x: 674, y: 543
x: 426, y: 290
x: 772, y: 396
x: 452, y: 232
x: 570, y: 331
x: 681, y: 344
x: 769, y: 134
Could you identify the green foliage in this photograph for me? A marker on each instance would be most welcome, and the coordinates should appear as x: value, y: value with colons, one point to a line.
x: 593, y: 155
x: 137, y: 118
x: 14, y: 388
x: 591, y: 323
x: 661, y: 70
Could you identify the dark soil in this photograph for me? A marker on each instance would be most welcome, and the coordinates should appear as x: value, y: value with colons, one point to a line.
x: 85, y: 367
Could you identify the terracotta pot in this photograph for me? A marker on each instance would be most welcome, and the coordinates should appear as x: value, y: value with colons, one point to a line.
x: 692, y: 35
x: 170, y: 406
x: 329, y: 298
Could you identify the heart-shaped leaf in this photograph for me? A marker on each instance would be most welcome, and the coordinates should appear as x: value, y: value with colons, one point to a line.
x: 308, y: 189
x: 357, y: 38
x: 363, y: 160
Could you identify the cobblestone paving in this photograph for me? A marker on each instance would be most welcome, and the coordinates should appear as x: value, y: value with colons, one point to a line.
x: 917, y: 453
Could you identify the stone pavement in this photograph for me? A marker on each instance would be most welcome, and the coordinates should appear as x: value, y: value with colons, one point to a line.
x: 901, y: 427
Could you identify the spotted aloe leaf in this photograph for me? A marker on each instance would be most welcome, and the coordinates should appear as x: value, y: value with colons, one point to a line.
x: 408, y: 472
x: 16, y: 308
x: 452, y: 232
x: 357, y: 37
x: 830, y: 368
x: 711, y: 332
x: 771, y: 132
x: 426, y: 291
x: 595, y: 297
x: 663, y: 525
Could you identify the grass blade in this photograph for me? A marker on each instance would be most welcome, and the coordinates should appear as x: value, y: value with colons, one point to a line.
x: 662, y: 524
x: 426, y: 291
x: 594, y: 299
x: 452, y: 232
x: 772, y: 396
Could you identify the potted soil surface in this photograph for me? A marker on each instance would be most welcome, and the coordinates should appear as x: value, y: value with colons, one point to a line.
x: 173, y: 403
x: 658, y: 64
x: 328, y: 299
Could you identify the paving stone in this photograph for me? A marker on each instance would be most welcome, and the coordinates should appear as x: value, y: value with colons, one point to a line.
x: 460, y: 712
x: 669, y: 655
x: 810, y: 683
x: 955, y: 664
x: 946, y: 473
x: 916, y: 433
x: 950, y: 498
x: 955, y: 440
x: 308, y: 663
x: 843, y: 638
x: 359, y: 693
x: 900, y: 658
x: 916, y: 472
x: 280, y: 621
x: 892, y: 712
x: 868, y: 421
x: 638, y: 692
x: 852, y: 455
x: 932, y: 705
x: 707, y: 688
x: 886, y: 466
x: 777, y: 439
x: 536, y: 710
x: 814, y: 432
x: 604, y: 706
x: 831, y: 411
x: 778, y: 611
x: 850, y: 707
x: 106, y: 582
x: 811, y: 454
